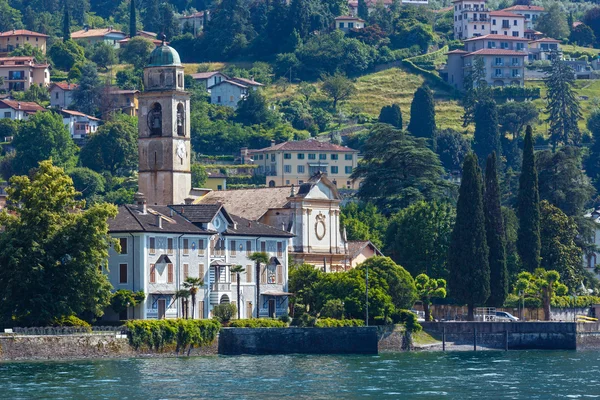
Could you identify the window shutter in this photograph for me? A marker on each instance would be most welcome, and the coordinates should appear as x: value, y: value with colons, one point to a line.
x: 279, y: 275
x: 201, y: 309
x: 263, y: 275
x: 122, y: 273
x: 152, y: 273
x: 186, y: 250
x: 170, y: 273
x: 201, y: 247
x: 248, y: 273
x: 152, y: 245
x: 233, y: 277
x: 201, y: 271
x: 248, y: 247
x: 233, y: 249
x: 186, y: 271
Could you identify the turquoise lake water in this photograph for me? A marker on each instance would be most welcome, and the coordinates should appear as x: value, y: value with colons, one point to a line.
x: 428, y: 375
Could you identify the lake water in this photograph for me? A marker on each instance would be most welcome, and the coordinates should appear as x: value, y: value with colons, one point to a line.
x: 427, y: 375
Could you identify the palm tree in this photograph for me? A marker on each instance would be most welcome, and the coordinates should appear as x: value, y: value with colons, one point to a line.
x: 258, y: 258
x: 237, y: 269
x: 192, y: 285
x: 183, y: 294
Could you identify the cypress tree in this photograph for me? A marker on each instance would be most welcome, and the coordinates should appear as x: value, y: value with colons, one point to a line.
x: 66, y: 25
x: 363, y: 9
x: 494, y: 232
x: 487, y: 134
x: 528, y: 208
x: 422, y: 115
x: 132, y: 20
x: 391, y: 115
x: 469, y: 270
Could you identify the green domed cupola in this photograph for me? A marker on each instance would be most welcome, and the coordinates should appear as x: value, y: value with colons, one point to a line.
x: 164, y: 56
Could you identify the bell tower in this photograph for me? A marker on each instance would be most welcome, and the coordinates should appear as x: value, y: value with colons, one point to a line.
x: 164, y: 130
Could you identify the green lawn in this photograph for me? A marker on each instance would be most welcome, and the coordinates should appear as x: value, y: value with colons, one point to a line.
x: 569, y: 48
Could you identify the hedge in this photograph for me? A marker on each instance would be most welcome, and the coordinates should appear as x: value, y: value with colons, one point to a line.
x: 514, y: 91
x: 158, y: 334
x: 257, y: 323
x: 338, y: 323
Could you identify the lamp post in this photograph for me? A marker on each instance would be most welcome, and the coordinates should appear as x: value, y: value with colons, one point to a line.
x: 367, y: 297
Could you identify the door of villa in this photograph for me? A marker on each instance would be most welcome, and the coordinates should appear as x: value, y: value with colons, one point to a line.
x: 162, y: 308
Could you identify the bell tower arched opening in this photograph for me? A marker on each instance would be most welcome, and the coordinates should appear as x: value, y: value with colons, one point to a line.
x: 155, y: 120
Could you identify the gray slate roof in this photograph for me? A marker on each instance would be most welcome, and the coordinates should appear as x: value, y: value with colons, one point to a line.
x: 130, y: 219
x: 245, y: 227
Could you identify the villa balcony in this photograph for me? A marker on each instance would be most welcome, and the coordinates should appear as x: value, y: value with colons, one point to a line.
x: 221, y: 287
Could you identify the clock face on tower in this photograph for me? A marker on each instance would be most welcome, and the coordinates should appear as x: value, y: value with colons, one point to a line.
x: 181, y: 152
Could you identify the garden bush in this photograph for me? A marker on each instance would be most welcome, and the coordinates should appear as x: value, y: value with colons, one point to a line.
x: 257, y: 323
x: 161, y: 334
x: 338, y: 323
x: 224, y: 312
x: 71, y: 321
x: 409, y: 319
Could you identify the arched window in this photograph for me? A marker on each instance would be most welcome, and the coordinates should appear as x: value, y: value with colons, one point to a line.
x: 180, y: 120
x: 271, y: 183
x: 155, y: 120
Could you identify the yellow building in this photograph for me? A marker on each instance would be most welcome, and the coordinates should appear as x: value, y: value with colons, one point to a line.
x: 216, y: 181
x: 294, y: 163
x: 11, y: 40
x: 118, y: 100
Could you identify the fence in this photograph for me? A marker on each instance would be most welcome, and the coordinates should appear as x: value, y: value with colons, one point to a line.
x: 68, y: 330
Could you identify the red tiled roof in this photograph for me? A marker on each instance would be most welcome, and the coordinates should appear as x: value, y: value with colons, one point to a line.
x: 27, y: 106
x: 577, y: 23
x: 524, y: 8
x: 348, y: 18
x: 22, y: 32
x: 65, y: 85
x: 496, y: 37
x: 198, y: 14
x: 94, y: 33
x: 78, y: 114
x: 502, y: 13
x: 496, y: 52
x: 306, y: 145
x: 19, y: 58
x: 457, y: 52
x: 545, y: 40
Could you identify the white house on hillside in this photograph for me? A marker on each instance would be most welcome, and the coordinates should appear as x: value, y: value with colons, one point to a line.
x: 18, y: 110
x: 230, y: 91
x: 61, y: 94
x: 79, y: 124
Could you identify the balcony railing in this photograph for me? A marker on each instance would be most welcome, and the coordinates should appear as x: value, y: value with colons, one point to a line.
x: 221, y: 287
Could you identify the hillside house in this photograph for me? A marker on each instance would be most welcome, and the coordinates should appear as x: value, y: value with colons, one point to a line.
x: 13, y: 39
x: 209, y: 79
x: 61, y: 94
x: 193, y: 23
x: 229, y: 92
x: 545, y: 49
x: 19, y: 73
x: 79, y: 124
x: 101, y: 35
x: 348, y: 22
x: 530, y: 12
x: 18, y: 110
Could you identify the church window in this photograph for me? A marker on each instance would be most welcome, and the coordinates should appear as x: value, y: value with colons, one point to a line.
x: 155, y: 120
x: 180, y: 80
x: 180, y: 120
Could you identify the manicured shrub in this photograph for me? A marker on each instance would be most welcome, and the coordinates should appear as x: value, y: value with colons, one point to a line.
x: 224, y: 312
x: 338, y: 323
x: 180, y: 333
x: 71, y: 321
x: 257, y: 323
x: 409, y: 319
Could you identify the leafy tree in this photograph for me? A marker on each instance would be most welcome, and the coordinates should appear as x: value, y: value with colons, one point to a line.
x: 513, y: 116
x: 104, y: 55
x: 562, y: 181
x: 66, y: 24
x: 303, y: 281
x: 553, y: 23
x: 258, y: 258
x: 49, y: 254
x: 452, y: 147
x: 372, y: 35
x: 229, y: 30
x: 427, y: 289
x: 27, y: 50
x: 412, y: 33
x: 184, y: 295
x: 306, y: 89
x: 398, y: 169
x: 468, y: 255
x: 192, y: 284
x: 87, y: 182
x: 237, y: 270
x: 199, y: 175
x: 338, y: 87
x: 487, y: 136
x: 65, y: 55
x: 137, y: 51
x: 132, y: 19
x: 131, y: 79
x: 43, y: 136
x: 422, y: 115
x: 592, y: 163
x: 418, y: 237
x: 494, y: 233
x: 10, y: 18
x: 122, y: 299
x: 391, y: 115
x: 363, y: 221
x: 541, y: 285
x: 511, y: 229
x: 253, y: 109
x: 563, y: 107
x: 112, y: 148
x: 591, y: 18
x: 476, y: 90
x: 559, y: 250
x: 583, y: 35
x: 37, y: 93
x: 87, y: 95
x: 363, y: 10
x: 528, y: 208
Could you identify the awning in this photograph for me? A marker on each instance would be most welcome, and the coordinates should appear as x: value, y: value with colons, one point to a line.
x: 219, y: 263
x: 274, y: 261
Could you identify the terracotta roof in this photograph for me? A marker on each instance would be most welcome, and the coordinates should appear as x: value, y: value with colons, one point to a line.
x: 496, y: 52
x: 536, y: 32
x: 356, y: 246
x: 577, y: 23
x: 348, y: 18
x: 198, y: 14
x: 146, y: 34
x: 496, y: 37
x: 457, y: 52
x: 65, y: 85
x: 130, y: 219
x: 27, y: 106
x: 206, y: 75
x: 22, y: 32
x: 90, y: 33
x: 524, y: 8
x: 78, y: 114
x: 306, y: 145
x: 251, y: 203
x: 505, y: 14
x: 19, y: 58
x: 545, y: 40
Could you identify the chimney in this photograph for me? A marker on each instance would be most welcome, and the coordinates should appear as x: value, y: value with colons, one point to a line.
x: 19, y: 105
x: 159, y: 221
x: 140, y: 201
x: 272, y: 143
x: 188, y: 201
x: 293, y: 194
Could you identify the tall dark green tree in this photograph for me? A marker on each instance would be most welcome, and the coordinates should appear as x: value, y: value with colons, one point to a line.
x: 487, y: 135
x: 363, y: 9
x: 468, y: 262
x: 494, y: 232
x: 132, y: 19
x: 87, y: 95
x: 476, y: 90
x: 528, y: 208
x: 592, y: 163
x: 422, y: 115
x: 66, y: 24
x: 563, y: 106
x: 391, y: 115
